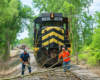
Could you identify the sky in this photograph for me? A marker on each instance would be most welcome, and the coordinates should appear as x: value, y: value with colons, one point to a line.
x: 95, y: 6
x: 25, y: 33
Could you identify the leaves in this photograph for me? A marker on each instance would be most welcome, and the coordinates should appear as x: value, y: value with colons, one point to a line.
x: 12, y: 21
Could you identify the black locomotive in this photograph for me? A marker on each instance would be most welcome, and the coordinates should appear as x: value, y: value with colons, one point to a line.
x: 51, y: 32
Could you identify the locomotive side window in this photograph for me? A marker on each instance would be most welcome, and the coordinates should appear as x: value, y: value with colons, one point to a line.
x: 64, y: 26
x: 38, y: 26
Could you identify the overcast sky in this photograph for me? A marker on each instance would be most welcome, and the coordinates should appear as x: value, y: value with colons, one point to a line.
x: 95, y: 6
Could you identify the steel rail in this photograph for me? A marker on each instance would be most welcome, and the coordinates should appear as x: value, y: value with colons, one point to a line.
x: 76, y: 75
x: 48, y: 73
x: 49, y: 67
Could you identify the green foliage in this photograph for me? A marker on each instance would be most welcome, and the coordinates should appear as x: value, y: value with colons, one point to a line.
x: 13, y: 17
x: 7, y: 10
x: 56, y: 5
x: 27, y: 41
x: 97, y: 18
x: 96, y: 38
x: 94, y: 56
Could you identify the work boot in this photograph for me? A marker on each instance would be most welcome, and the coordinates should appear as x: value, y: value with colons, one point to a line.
x: 30, y: 73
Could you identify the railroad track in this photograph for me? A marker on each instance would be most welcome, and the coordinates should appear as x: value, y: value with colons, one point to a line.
x: 51, y: 74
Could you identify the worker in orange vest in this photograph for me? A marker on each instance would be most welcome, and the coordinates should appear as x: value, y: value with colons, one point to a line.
x: 66, y: 61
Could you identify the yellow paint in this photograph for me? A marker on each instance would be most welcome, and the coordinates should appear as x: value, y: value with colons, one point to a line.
x: 49, y: 28
x: 53, y: 33
x: 70, y: 44
x: 69, y: 48
x: 52, y: 40
x: 35, y: 48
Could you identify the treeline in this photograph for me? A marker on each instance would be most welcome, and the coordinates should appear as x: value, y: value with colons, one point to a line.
x: 27, y: 41
x: 13, y: 19
x: 93, y: 49
x: 83, y: 33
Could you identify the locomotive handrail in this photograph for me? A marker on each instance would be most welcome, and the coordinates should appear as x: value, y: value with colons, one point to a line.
x: 70, y: 44
x: 36, y: 38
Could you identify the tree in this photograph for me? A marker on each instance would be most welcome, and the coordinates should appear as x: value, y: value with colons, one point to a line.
x: 10, y: 10
x: 13, y: 20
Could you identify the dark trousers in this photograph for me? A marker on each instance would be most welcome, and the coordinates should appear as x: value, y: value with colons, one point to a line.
x: 23, y: 67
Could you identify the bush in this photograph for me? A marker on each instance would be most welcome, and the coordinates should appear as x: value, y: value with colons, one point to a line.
x: 94, y: 56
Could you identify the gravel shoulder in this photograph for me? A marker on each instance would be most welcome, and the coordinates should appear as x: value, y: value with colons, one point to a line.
x: 15, y: 64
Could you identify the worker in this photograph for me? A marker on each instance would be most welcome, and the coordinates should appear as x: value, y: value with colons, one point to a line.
x: 25, y: 59
x: 66, y: 61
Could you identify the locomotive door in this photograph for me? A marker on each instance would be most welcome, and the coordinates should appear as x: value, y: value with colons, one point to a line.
x: 65, y: 25
x: 38, y: 34
x: 66, y: 33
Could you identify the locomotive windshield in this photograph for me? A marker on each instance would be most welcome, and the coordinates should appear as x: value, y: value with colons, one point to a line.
x: 53, y: 23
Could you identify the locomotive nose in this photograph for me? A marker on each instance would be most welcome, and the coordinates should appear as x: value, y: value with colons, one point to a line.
x: 52, y: 37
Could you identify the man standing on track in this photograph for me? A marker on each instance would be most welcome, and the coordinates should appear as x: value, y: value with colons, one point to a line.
x: 66, y: 61
x: 25, y: 59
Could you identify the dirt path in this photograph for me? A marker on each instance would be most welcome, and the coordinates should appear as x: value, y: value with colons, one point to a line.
x: 12, y: 71
x: 13, y: 53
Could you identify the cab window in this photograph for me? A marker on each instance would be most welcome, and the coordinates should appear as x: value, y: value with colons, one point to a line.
x: 38, y: 26
x: 47, y: 23
x: 64, y: 26
x: 57, y: 23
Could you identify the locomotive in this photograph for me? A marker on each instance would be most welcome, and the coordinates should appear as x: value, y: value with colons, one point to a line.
x: 21, y: 46
x: 51, y: 33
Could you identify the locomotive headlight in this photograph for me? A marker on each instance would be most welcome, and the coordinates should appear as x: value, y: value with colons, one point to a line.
x: 58, y: 19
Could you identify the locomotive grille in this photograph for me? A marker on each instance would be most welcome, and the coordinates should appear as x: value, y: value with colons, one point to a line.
x: 52, y: 36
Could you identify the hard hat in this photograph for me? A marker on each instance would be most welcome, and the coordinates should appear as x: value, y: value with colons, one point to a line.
x: 25, y: 50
